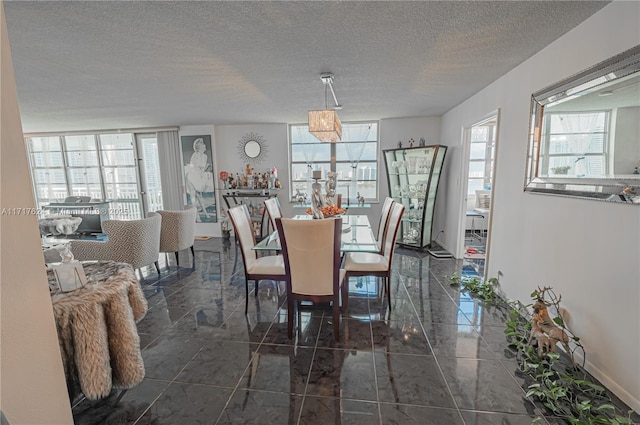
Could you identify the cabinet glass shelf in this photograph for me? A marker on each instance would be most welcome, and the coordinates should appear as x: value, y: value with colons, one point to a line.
x: 413, y: 175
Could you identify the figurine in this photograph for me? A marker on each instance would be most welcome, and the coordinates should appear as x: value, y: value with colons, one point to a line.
x: 317, y: 200
x: 360, y: 200
x: 300, y: 197
x: 65, y: 253
x: 400, y: 144
x: 411, y: 142
x: 422, y: 142
x: 547, y: 326
x: 330, y: 187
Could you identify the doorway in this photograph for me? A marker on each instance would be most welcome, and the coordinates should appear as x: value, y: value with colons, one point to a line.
x: 480, y: 140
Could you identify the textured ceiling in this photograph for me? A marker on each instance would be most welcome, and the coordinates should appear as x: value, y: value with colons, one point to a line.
x: 129, y: 64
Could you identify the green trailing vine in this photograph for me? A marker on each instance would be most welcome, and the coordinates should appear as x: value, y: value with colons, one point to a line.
x: 558, y: 382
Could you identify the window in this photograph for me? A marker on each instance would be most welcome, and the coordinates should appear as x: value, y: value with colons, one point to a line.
x: 571, y: 132
x: 101, y: 166
x: 354, y: 160
x: 483, y: 141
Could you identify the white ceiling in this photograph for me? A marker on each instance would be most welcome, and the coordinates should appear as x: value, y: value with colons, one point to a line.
x: 129, y: 64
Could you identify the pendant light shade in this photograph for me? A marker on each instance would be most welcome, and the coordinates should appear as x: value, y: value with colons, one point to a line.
x: 324, y: 124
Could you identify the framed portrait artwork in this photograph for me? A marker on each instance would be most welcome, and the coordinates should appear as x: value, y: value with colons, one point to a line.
x: 198, y: 176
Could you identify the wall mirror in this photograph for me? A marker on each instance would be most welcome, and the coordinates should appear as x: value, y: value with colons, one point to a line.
x: 584, y: 133
x: 252, y: 148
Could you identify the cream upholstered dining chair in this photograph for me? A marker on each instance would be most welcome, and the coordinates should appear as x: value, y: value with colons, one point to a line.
x: 311, y: 251
x: 376, y: 264
x: 255, y: 268
x: 178, y: 231
x: 384, y: 220
x: 136, y: 242
x: 273, y: 208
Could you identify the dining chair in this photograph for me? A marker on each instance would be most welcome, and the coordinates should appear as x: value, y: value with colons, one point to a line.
x: 376, y: 264
x: 384, y: 219
x: 274, y: 210
x: 256, y: 268
x: 311, y: 251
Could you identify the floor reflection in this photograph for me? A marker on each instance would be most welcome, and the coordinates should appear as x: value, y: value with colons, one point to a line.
x: 435, y: 356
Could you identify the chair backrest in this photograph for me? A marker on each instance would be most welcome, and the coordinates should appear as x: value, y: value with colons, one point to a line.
x: 311, y: 250
x: 241, y: 221
x: 136, y: 242
x: 395, y: 217
x: 273, y: 208
x: 178, y: 229
x: 384, y: 219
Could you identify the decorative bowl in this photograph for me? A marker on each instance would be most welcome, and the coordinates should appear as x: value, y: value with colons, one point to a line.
x: 328, y: 211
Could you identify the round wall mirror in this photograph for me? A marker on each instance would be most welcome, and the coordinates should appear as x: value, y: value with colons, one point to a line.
x: 252, y: 149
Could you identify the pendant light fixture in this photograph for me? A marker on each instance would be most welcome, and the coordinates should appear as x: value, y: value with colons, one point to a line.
x: 325, y: 124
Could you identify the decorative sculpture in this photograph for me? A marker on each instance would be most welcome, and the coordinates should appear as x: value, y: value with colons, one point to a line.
x: 317, y: 200
x: 542, y: 326
x: 330, y: 187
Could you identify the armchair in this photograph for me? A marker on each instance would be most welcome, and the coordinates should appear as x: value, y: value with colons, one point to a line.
x: 177, y: 230
x: 136, y: 242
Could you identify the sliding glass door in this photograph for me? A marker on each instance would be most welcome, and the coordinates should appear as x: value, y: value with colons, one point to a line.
x: 119, y: 168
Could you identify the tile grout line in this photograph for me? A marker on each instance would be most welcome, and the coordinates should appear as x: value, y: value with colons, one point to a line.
x: 424, y: 332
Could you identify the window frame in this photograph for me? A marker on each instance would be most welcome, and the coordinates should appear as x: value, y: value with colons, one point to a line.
x: 120, y: 207
x: 605, y: 154
x: 333, y: 162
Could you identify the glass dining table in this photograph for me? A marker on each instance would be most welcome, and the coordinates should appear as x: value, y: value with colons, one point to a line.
x: 357, y: 235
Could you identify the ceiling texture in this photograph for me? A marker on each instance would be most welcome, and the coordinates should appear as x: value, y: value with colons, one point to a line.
x: 100, y: 65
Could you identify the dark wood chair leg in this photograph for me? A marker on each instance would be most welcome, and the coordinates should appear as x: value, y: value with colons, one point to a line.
x: 157, y: 267
x: 246, y: 296
x: 177, y: 258
x: 387, y: 287
x: 193, y: 254
x: 336, y: 319
x: 345, y: 294
x: 255, y: 288
x: 290, y: 314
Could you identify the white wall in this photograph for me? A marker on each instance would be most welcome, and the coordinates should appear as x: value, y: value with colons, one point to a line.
x: 276, y: 154
x: 586, y: 250
x: 32, y: 385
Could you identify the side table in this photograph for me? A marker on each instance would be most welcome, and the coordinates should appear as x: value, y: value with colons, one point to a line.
x: 97, y: 331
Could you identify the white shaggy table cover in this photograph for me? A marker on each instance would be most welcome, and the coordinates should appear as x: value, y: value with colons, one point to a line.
x: 97, y: 330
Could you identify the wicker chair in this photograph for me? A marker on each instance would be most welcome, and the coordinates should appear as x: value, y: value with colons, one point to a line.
x: 178, y: 231
x: 136, y: 242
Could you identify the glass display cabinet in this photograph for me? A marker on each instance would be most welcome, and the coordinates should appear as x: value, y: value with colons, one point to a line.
x: 413, y: 175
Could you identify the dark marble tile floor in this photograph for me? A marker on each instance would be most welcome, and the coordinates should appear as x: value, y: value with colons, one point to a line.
x: 437, y: 357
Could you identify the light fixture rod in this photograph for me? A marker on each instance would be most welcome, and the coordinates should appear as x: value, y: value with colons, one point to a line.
x: 327, y: 79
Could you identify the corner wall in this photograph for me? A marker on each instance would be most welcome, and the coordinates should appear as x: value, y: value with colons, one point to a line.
x: 586, y: 250
x: 32, y: 384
